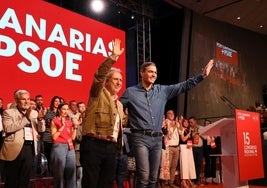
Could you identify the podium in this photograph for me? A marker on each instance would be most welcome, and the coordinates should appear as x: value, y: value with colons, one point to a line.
x: 241, y: 148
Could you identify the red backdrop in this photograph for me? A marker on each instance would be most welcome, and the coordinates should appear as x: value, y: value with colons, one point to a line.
x: 51, y: 51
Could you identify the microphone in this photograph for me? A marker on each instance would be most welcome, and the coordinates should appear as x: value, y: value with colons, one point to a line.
x: 228, y: 102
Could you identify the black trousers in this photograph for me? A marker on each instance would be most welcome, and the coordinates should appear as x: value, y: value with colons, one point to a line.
x: 98, y: 160
x: 198, y: 157
x: 210, y: 161
x: 18, y: 171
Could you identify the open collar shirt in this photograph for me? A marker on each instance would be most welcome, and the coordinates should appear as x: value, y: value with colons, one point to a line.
x: 146, y: 108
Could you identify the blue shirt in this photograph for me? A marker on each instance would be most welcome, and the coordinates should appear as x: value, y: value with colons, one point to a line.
x: 146, y: 108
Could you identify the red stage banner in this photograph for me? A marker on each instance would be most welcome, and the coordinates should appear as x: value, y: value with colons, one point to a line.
x: 227, y: 64
x: 226, y: 54
x: 51, y: 51
x: 249, y: 146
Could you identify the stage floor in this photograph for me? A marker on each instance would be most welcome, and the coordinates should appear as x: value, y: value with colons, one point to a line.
x: 46, y: 182
x: 221, y: 186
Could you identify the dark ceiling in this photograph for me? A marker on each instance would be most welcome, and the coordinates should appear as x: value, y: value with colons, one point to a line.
x: 252, y: 13
x: 118, y: 13
x: 247, y: 14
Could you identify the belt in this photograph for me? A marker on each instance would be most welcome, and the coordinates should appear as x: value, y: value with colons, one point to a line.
x: 99, y: 137
x: 148, y: 132
x: 27, y: 142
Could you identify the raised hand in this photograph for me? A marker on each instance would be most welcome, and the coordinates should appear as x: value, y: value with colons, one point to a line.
x: 207, y: 68
x: 117, y: 50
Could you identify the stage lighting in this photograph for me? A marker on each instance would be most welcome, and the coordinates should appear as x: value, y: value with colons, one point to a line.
x: 97, y: 5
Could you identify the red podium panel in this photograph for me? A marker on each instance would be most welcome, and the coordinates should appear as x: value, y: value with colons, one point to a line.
x: 249, y: 146
x: 239, y: 136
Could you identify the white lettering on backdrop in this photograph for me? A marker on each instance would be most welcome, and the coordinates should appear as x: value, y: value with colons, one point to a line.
x: 75, y: 40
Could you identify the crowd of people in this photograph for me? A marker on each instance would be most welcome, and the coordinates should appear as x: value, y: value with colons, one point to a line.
x: 29, y: 129
x: 188, y: 155
x: 87, y: 145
